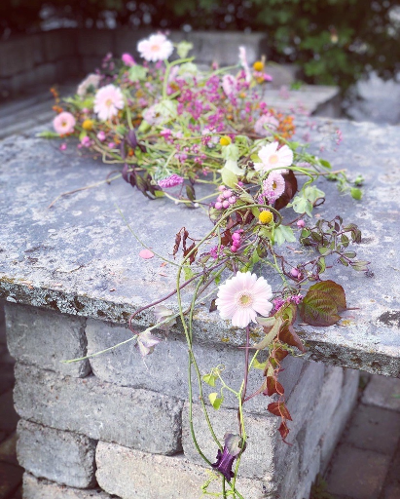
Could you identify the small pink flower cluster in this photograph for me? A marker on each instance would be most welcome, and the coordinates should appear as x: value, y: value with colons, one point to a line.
x: 225, y: 199
x: 236, y: 240
x: 296, y: 273
x: 171, y: 181
x: 214, y: 251
x: 279, y: 302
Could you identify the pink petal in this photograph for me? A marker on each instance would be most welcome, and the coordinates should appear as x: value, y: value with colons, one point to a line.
x: 146, y: 254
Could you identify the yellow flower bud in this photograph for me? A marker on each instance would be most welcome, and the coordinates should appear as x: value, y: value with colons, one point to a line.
x: 88, y: 125
x: 258, y: 66
x: 265, y: 217
x: 225, y: 140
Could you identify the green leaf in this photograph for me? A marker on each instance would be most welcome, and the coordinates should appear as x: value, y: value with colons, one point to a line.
x: 230, y: 152
x: 322, y: 303
x: 159, y: 194
x: 321, y: 264
x: 183, y: 48
x: 48, y: 135
x: 228, y: 177
x: 209, y: 379
x: 270, y: 336
x: 302, y: 205
x: 215, y: 400
x: 259, y: 365
x: 137, y: 73
x: 325, y: 164
x: 283, y: 233
x: 356, y: 193
x: 334, y: 290
x: 188, y: 273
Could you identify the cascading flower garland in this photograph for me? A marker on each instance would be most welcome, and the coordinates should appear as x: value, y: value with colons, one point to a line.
x: 172, y: 127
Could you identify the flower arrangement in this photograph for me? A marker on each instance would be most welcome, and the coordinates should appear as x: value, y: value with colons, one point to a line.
x: 172, y: 127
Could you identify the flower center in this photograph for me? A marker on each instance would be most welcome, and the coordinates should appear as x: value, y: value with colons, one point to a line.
x: 109, y: 102
x: 274, y: 158
x: 244, y: 299
x: 274, y: 185
x: 155, y: 48
x: 63, y: 123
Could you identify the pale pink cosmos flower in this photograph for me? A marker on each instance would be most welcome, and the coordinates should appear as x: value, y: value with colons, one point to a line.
x: 266, y: 124
x: 127, y: 59
x: 64, y: 123
x: 229, y: 85
x: 107, y: 102
x: 273, y: 158
x: 242, y: 297
x: 155, y: 48
x: 274, y: 186
x: 91, y: 80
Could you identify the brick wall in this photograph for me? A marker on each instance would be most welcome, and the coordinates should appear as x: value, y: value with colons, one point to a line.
x: 117, y: 425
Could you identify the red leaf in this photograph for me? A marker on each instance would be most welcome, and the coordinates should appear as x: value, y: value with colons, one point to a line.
x: 284, y: 430
x: 288, y: 335
x: 273, y: 386
x: 289, y: 192
x: 279, y: 409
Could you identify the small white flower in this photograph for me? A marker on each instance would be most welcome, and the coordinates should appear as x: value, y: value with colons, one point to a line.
x: 244, y: 63
x: 155, y: 48
x: 242, y: 297
x: 273, y: 158
x: 107, y: 102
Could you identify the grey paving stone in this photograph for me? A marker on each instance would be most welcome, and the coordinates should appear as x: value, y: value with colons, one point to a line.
x: 44, y: 489
x: 137, y: 418
x: 383, y: 391
x: 375, y: 429
x: 60, y: 456
x: 46, y: 338
x: 131, y: 474
x: 8, y: 416
x: 357, y: 473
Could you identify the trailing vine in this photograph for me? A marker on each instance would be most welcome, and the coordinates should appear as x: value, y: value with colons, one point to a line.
x: 169, y: 127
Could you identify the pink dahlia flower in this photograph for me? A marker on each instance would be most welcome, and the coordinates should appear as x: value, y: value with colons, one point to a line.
x: 274, y: 186
x: 128, y: 60
x: 273, y: 158
x: 155, y: 48
x: 64, y: 123
x: 242, y: 297
x: 266, y: 124
x: 91, y: 81
x: 107, y: 102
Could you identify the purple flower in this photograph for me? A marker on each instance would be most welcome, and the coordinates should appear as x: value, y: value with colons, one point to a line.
x: 128, y: 60
x: 232, y: 448
x: 171, y: 181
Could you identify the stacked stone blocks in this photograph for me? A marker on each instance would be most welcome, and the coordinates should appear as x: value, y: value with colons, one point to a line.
x: 118, y: 424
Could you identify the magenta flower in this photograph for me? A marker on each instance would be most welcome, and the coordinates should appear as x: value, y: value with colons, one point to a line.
x: 127, y: 59
x: 171, y: 181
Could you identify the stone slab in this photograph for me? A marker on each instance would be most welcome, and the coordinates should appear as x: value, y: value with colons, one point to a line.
x: 131, y: 474
x: 44, y: 339
x: 384, y: 392
x: 44, y: 489
x: 166, y: 370
x: 56, y: 257
x: 60, y: 456
x: 137, y: 418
